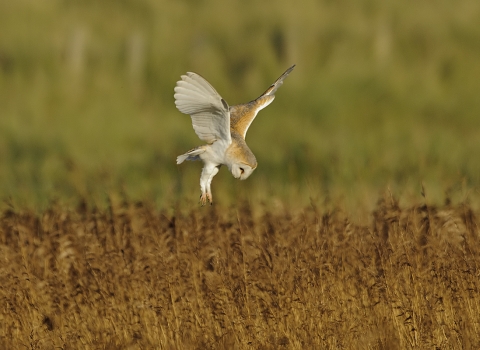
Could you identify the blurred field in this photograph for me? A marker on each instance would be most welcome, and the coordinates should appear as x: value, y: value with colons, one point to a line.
x: 385, y: 94
x: 243, y: 277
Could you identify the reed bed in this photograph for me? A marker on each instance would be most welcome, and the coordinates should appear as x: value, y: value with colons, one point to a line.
x: 136, y: 277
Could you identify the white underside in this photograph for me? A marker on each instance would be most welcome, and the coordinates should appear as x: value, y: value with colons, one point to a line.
x: 213, y: 157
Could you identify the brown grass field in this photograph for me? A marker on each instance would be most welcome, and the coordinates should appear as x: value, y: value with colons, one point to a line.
x: 134, y: 277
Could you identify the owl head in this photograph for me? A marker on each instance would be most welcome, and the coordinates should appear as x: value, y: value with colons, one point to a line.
x: 241, y: 170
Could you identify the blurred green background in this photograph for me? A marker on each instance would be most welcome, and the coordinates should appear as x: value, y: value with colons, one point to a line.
x: 385, y: 95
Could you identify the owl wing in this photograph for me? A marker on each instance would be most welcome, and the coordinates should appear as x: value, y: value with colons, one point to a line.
x: 208, y: 110
x: 274, y: 87
x: 243, y: 115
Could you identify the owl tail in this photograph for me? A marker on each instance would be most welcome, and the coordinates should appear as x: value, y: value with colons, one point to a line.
x: 193, y: 154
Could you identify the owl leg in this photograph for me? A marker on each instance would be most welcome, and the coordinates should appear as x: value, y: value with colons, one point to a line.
x: 208, y: 172
x: 209, y: 190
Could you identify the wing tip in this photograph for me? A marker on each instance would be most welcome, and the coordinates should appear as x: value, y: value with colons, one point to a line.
x: 274, y: 87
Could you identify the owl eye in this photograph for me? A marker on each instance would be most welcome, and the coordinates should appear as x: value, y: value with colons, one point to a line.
x: 242, y: 170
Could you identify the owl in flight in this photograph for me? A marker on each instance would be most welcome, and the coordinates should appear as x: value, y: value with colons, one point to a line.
x: 221, y: 126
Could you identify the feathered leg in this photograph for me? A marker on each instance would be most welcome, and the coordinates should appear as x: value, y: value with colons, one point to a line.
x: 208, y: 172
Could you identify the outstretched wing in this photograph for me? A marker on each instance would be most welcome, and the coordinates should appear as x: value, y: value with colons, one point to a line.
x: 274, y: 87
x: 209, y: 111
x: 243, y: 115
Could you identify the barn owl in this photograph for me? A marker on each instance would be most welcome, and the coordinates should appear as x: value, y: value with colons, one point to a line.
x: 221, y: 126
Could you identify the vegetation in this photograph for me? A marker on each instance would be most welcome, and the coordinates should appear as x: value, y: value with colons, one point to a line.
x: 240, y: 278
x: 384, y: 94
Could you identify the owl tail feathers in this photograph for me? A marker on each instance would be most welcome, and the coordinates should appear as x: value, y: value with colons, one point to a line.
x: 193, y: 154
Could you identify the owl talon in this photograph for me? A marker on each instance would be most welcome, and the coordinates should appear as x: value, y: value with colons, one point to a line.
x: 203, y: 199
x: 210, y: 199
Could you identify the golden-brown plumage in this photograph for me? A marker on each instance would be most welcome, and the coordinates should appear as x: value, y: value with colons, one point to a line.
x: 239, y: 150
x: 241, y: 116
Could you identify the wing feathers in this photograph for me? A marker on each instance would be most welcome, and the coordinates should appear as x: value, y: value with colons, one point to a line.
x: 243, y: 115
x: 209, y: 111
x: 274, y: 87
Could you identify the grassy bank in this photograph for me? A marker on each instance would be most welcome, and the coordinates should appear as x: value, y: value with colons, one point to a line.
x: 384, y: 95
